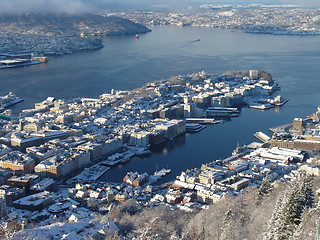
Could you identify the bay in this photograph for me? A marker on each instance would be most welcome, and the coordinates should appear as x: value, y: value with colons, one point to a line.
x: 125, y: 63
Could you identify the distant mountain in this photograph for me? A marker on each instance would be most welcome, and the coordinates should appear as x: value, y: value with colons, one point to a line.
x: 69, y: 25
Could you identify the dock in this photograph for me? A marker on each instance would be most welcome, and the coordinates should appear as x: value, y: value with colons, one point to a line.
x: 202, y: 120
x: 262, y: 137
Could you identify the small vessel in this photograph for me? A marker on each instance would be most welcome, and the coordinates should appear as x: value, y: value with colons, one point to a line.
x: 137, y: 36
x: 278, y: 101
x: 162, y: 172
x: 261, y: 106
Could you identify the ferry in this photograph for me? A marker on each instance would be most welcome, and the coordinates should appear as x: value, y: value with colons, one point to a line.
x: 8, y: 100
x: 21, y: 62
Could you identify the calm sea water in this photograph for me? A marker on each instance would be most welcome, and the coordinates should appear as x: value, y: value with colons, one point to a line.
x: 126, y: 63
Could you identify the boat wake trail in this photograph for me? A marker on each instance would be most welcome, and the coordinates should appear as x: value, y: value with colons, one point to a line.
x: 190, y: 43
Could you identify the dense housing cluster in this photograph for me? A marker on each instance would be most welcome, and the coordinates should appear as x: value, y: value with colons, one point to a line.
x: 266, y: 19
x: 53, y: 155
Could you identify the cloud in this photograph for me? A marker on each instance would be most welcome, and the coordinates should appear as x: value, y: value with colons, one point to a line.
x: 39, y: 6
x: 300, y: 3
x: 80, y: 6
x: 304, y: 3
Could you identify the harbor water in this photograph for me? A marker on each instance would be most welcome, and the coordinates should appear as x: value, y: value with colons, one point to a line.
x: 126, y: 63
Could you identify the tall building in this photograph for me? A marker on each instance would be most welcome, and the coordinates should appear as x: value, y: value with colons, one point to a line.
x: 3, y: 205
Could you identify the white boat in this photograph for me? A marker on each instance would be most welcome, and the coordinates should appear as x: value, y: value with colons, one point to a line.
x: 278, y: 101
x: 261, y: 106
x: 162, y: 172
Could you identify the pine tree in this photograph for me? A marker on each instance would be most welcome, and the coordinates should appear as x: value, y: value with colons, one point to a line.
x: 308, y: 191
x: 289, y: 209
x: 266, y: 186
x: 228, y: 225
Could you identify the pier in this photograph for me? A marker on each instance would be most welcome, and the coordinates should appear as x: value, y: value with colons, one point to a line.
x: 202, y: 120
x: 262, y: 137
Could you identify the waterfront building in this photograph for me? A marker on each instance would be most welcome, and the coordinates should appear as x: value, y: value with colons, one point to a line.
x: 297, y: 124
x: 135, y: 179
x: 191, y: 110
x: 94, y: 149
x: 139, y: 139
x: 46, y: 104
x: 180, y: 126
x: 63, y: 163
x: 234, y: 99
x: 111, y: 145
x: 169, y: 129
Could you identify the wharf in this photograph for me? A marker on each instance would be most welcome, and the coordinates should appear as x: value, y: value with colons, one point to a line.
x: 202, y: 120
x: 262, y: 137
x: 89, y: 174
x: 236, y: 156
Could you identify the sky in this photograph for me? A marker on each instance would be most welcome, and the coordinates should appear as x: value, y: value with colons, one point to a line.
x: 79, y: 6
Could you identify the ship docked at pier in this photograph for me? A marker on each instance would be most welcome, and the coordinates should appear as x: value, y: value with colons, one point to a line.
x: 8, y: 100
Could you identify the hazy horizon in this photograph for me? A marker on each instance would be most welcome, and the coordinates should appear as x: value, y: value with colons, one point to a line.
x: 81, y: 6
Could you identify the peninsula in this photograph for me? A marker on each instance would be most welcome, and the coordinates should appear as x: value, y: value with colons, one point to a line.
x: 60, y: 33
x: 53, y: 155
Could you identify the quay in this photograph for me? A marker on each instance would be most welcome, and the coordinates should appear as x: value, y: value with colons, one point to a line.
x: 262, y: 137
x: 202, y: 120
